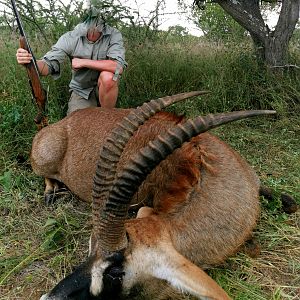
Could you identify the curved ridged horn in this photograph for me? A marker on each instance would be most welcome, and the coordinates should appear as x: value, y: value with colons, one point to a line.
x: 111, y: 224
x: 115, y: 143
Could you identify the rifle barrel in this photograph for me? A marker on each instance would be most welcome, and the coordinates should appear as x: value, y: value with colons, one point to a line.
x: 22, y: 33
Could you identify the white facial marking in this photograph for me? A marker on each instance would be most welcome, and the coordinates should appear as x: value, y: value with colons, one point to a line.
x: 139, y: 267
x: 145, y: 263
x: 97, y: 275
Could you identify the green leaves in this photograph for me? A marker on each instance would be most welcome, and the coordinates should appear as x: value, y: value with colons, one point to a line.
x: 59, y: 232
x: 6, y: 180
x: 217, y: 24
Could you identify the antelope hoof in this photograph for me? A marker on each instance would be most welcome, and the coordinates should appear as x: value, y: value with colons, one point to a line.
x: 49, y: 198
x: 289, y: 204
x: 252, y: 248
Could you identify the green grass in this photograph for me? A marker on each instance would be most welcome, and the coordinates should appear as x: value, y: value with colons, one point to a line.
x: 39, y: 245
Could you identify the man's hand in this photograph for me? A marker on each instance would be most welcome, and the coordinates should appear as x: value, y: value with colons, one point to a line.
x: 78, y: 63
x: 23, y: 56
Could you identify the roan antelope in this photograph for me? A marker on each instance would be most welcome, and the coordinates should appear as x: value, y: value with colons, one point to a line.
x: 199, y: 198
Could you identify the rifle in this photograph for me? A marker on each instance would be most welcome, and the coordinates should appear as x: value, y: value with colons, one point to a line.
x: 37, y: 90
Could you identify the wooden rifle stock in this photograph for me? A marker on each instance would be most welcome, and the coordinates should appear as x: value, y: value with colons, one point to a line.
x: 38, y: 92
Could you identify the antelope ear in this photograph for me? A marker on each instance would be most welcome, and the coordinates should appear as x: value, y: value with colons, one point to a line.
x: 186, y: 276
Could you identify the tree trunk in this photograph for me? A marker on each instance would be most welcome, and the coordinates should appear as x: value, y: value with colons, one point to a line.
x: 277, y: 43
x: 271, y: 46
x: 276, y: 52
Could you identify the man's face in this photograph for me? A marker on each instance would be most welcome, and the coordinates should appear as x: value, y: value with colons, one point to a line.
x: 93, y: 34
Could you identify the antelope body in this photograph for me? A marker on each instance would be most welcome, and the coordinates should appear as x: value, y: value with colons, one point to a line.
x: 199, y: 202
x: 67, y: 151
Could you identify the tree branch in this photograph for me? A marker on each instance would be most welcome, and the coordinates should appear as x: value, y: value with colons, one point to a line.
x: 285, y: 67
x: 287, y: 21
x: 247, y: 14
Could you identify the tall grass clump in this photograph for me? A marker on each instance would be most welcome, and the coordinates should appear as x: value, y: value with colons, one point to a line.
x: 233, y: 76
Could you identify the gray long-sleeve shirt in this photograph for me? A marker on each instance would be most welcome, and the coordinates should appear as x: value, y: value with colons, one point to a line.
x: 75, y: 44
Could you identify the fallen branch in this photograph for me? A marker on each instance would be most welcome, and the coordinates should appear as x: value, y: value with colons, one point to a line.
x: 286, y: 67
